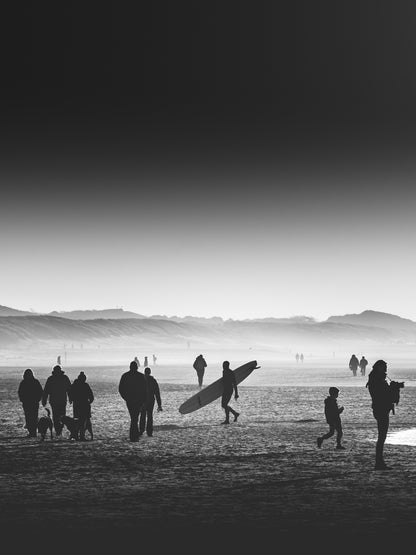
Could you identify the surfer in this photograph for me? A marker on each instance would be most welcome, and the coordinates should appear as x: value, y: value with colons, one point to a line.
x: 230, y: 386
x: 200, y: 365
x: 132, y: 388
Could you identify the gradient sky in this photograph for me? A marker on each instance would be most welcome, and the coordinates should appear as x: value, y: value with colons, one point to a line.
x: 231, y: 159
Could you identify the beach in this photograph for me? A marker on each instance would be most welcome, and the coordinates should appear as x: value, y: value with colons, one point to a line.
x: 260, y: 477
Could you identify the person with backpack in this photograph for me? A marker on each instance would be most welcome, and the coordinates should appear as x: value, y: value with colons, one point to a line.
x: 200, y: 365
x: 353, y: 365
x: 82, y: 397
x: 383, y: 397
x: 152, y: 394
x: 58, y: 391
x: 333, y: 418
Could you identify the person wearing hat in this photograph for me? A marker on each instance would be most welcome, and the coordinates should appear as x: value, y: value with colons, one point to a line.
x: 332, y: 415
x: 82, y: 397
x: 57, y: 391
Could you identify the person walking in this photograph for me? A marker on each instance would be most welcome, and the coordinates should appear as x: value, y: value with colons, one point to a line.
x: 145, y: 363
x: 200, y: 365
x: 363, y: 365
x: 353, y: 364
x: 297, y: 357
x: 333, y: 418
x: 152, y: 394
x: 382, y: 404
x: 82, y: 397
x: 30, y: 394
x: 230, y: 386
x: 137, y: 361
x: 132, y: 388
x: 57, y: 391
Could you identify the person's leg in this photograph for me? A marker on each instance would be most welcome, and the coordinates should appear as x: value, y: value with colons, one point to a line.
x: 338, y: 428
x: 382, y: 426
x: 224, y: 403
x: 330, y: 433
x: 142, y: 422
x: 58, y: 410
x: 134, y: 411
x: 149, y: 426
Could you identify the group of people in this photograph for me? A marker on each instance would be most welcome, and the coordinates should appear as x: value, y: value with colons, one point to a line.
x: 384, y: 395
x: 299, y: 357
x: 141, y: 391
x: 59, y: 391
x: 355, y: 363
x: 146, y: 361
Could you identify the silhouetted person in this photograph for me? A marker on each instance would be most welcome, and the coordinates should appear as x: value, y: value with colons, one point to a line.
x: 363, y: 365
x: 301, y: 357
x: 297, y: 357
x: 58, y: 360
x: 82, y: 397
x: 381, y: 396
x: 132, y: 388
x: 333, y: 418
x: 57, y: 390
x: 137, y: 361
x: 145, y: 363
x: 353, y: 364
x: 200, y: 365
x: 30, y: 393
x: 230, y: 387
x: 154, y: 359
x: 152, y: 394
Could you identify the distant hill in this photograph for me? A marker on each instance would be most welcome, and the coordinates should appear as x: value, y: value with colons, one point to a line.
x: 110, y: 313
x: 6, y: 311
x: 373, y: 318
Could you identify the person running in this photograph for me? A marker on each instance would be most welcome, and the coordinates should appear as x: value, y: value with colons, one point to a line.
x: 230, y: 386
x: 82, y: 397
x: 363, y: 365
x: 353, y: 364
x: 57, y: 390
x: 152, y: 394
x: 333, y: 418
x: 200, y: 365
x: 30, y: 394
x: 132, y: 388
x: 381, y: 397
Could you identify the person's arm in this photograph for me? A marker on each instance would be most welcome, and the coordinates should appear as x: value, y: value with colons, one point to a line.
x: 45, y: 394
x: 19, y: 392
x: 40, y: 391
x: 157, y: 394
x: 121, y: 388
x: 69, y: 390
x: 90, y: 395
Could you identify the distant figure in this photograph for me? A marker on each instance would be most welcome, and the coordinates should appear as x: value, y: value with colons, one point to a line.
x: 200, y: 365
x: 145, y: 363
x: 30, y: 393
x: 152, y: 394
x: 353, y: 364
x: 57, y: 390
x: 136, y: 360
x: 230, y: 386
x: 301, y: 357
x: 363, y: 365
x: 82, y: 397
x: 132, y: 388
x: 333, y: 418
x: 381, y: 396
x: 154, y: 360
x: 58, y: 360
x: 297, y: 357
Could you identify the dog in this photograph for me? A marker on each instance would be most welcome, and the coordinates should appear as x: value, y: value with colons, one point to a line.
x: 74, y: 426
x: 45, y: 424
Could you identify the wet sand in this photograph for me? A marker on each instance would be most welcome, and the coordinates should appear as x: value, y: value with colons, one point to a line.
x: 258, y: 479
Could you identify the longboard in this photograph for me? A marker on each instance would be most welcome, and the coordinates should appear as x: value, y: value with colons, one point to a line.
x: 214, y: 390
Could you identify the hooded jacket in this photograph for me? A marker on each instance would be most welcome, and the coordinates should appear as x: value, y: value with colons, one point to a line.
x: 57, y: 388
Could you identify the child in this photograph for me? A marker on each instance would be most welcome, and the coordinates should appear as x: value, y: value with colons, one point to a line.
x: 332, y: 414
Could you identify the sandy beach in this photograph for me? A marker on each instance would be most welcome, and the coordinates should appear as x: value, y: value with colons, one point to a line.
x: 260, y: 478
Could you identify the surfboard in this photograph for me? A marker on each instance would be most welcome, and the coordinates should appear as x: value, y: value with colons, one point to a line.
x: 214, y: 390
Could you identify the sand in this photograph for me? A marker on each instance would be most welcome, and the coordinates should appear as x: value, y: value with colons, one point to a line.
x: 260, y: 478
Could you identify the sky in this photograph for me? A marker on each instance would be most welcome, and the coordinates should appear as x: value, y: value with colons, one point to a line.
x: 230, y: 159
